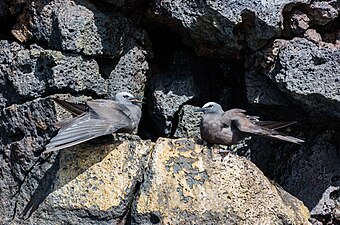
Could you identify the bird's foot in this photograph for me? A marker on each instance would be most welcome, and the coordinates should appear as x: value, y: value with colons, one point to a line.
x: 224, y: 149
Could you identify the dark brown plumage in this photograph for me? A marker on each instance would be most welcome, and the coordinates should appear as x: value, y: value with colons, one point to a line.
x: 228, y: 128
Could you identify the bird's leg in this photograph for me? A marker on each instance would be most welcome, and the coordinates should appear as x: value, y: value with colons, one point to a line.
x: 224, y: 149
x: 115, y: 136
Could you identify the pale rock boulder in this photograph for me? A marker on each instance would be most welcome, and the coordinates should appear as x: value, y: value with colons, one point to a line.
x: 89, y: 183
x: 190, y: 184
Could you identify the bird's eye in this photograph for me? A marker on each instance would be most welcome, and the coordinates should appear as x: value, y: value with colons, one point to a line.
x: 126, y: 96
x: 209, y: 106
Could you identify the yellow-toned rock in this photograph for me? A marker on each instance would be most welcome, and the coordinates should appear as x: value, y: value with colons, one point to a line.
x: 95, y: 182
x: 190, y: 184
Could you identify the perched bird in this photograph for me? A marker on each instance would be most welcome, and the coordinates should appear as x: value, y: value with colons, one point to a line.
x: 228, y: 128
x: 96, y: 118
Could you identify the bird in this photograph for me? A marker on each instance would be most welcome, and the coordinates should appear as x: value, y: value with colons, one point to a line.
x: 96, y: 118
x: 230, y: 127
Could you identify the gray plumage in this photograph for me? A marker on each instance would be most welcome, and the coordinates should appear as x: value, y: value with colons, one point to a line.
x: 96, y: 118
x: 228, y: 128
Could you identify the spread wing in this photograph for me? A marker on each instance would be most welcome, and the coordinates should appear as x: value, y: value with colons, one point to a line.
x: 74, y: 108
x: 103, y: 117
x: 112, y: 111
x: 243, y: 123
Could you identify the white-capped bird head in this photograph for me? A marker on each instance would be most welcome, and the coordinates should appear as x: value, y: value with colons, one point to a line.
x: 126, y: 97
x: 211, y: 107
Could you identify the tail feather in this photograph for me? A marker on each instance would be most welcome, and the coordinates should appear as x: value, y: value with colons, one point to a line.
x: 287, y: 138
x: 274, y: 125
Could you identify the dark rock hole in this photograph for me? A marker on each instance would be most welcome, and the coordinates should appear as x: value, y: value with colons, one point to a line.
x: 27, y: 68
x: 318, y: 61
x: 17, y: 135
x: 335, y: 195
x: 154, y: 219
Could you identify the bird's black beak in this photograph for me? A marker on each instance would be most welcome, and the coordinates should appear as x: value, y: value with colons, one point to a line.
x: 199, y: 110
x: 137, y: 99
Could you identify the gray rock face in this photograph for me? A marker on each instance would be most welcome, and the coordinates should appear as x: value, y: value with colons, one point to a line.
x: 282, y: 57
x: 214, y: 26
x: 189, y: 122
x: 310, y: 75
x: 322, y: 12
x: 24, y: 129
x: 169, y: 93
x: 260, y: 89
x: 31, y: 73
x: 74, y: 26
x: 313, y: 173
x: 130, y: 73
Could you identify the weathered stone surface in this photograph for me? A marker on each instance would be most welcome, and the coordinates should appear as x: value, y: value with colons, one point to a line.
x: 219, y: 27
x: 169, y: 93
x: 111, y: 54
x: 298, y: 21
x: 188, y: 122
x: 259, y: 87
x: 88, y: 183
x: 313, y: 36
x: 130, y: 73
x: 76, y: 26
x: 24, y: 130
x: 323, y: 12
x: 124, y: 4
x: 31, y: 73
x: 312, y: 173
x: 301, y: 71
x: 187, y: 183
x: 310, y: 75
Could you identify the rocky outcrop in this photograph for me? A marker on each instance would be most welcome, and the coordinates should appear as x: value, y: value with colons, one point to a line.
x: 86, y: 184
x: 187, y: 183
x: 303, y: 72
x: 73, y: 26
x: 277, y: 60
x: 224, y: 28
x: 170, y: 181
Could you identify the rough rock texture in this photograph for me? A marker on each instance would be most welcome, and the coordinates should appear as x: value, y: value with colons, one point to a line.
x: 97, y: 181
x: 188, y: 122
x: 130, y: 73
x: 313, y: 172
x: 277, y: 59
x: 324, y: 12
x: 211, y: 189
x: 24, y: 130
x: 310, y: 75
x: 86, y: 184
x: 302, y: 72
x: 34, y: 72
x: 221, y: 28
x: 169, y: 94
x: 76, y: 26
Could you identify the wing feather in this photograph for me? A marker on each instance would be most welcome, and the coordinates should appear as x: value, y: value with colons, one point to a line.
x: 273, y: 124
x: 74, y: 108
x: 239, y: 120
x: 103, y: 118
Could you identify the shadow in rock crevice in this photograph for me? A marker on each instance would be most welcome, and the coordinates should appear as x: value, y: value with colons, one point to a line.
x: 44, y: 188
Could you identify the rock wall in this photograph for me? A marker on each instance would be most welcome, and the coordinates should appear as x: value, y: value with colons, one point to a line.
x: 278, y: 60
